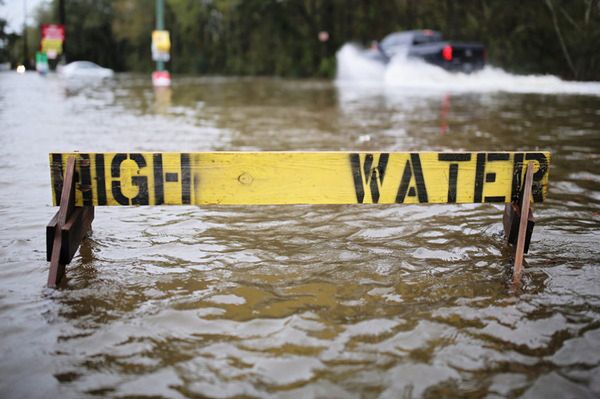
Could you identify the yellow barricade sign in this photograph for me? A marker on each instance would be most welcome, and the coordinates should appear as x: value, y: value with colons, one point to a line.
x: 256, y: 178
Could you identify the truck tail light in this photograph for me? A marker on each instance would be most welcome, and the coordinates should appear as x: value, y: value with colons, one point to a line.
x: 447, y: 53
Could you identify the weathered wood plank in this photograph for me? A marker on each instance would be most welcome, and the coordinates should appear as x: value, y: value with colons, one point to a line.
x: 67, y: 204
x: 72, y: 233
x: 511, y: 221
x: 525, y: 205
x: 256, y: 178
x: 68, y: 227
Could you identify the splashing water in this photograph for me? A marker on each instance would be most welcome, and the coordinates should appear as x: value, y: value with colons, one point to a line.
x: 354, y: 68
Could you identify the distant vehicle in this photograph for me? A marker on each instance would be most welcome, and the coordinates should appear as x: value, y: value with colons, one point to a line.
x: 430, y: 46
x: 85, y: 69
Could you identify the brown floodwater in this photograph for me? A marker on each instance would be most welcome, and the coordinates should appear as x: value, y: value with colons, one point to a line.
x: 298, y: 301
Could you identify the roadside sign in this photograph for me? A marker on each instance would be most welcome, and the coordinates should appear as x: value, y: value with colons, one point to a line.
x: 161, y: 45
x: 41, y: 62
x: 53, y: 36
x: 81, y: 181
x: 254, y: 178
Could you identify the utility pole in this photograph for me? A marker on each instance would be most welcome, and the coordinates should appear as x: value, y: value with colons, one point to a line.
x: 25, y: 49
x: 160, y: 25
x: 62, y: 19
x: 161, y: 45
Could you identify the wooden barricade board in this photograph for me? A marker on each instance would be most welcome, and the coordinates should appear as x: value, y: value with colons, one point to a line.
x: 260, y: 178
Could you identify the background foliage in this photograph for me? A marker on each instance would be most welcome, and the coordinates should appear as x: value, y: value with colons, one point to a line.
x: 280, y: 37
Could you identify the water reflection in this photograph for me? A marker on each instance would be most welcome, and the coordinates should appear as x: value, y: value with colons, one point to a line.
x: 444, y: 111
x: 162, y: 99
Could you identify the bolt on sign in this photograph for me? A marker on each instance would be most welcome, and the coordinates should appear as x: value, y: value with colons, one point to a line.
x: 53, y: 36
x: 300, y: 177
x: 161, y: 45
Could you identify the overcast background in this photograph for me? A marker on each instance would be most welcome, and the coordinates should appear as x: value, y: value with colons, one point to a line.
x: 13, y: 12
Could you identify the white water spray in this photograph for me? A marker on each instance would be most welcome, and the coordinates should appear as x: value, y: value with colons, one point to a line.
x: 416, y: 76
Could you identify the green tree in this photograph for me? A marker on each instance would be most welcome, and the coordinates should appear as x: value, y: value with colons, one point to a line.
x: 280, y: 37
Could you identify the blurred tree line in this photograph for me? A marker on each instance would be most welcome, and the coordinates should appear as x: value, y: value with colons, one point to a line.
x: 280, y: 37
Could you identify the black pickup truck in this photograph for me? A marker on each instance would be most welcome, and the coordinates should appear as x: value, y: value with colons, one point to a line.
x: 430, y: 46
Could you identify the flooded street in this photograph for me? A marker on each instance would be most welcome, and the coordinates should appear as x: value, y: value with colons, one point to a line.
x: 299, y: 301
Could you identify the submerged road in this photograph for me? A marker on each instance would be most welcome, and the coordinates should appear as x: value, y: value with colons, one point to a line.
x: 297, y: 301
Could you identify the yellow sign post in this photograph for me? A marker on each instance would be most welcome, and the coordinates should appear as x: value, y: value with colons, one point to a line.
x: 161, y: 45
